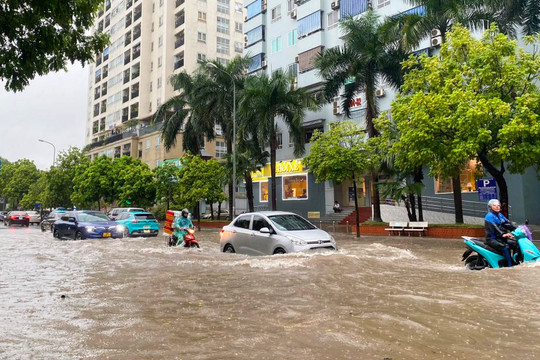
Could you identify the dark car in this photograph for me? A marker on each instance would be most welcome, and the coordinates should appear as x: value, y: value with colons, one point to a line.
x: 86, y: 224
x: 48, y: 221
x: 17, y: 217
x: 2, y: 215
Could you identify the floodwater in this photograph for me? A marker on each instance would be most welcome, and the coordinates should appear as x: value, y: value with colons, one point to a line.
x: 375, y: 298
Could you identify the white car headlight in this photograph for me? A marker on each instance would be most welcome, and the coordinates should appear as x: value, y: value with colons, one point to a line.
x: 90, y: 228
x: 295, y: 240
x: 332, y: 240
x: 120, y: 228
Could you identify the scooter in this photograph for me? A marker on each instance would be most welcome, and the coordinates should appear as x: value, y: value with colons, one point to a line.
x: 479, y: 255
x: 189, y: 239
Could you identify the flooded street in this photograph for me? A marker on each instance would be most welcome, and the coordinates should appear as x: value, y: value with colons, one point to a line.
x: 375, y: 298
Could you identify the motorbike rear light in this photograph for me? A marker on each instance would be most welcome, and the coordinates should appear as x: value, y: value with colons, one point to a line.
x: 27, y: 217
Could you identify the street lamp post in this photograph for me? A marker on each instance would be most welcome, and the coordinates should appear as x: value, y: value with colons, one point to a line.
x: 210, y: 65
x: 54, y: 149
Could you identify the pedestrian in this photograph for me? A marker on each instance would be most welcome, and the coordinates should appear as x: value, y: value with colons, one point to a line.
x: 337, y: 207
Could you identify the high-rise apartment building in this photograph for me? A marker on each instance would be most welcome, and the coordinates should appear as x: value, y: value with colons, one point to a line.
x: 149, y: 42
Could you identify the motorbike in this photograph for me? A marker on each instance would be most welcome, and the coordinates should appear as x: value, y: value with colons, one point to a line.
x: 479, y: 255
x: 189, y: 239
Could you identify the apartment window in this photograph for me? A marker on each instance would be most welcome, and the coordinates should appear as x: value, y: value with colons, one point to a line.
x: 222, y: 46
x: 290, y: 5
x: 256, y: 62
x: 238, y: 7
x: 333, y: 19
x: 291, y: 142
x: 160, y: 41
x: 148, y: 144
x: 158, y: 141
x: 201, y: 37
x: 307, y: 58
x: 180, y: 18
x: 352, y: 7
x: 179, y: 60
x: 201, y: 16
x: 276, y: 13
x: 382, y: 3
x: 159, y: 82
x: 254, y: 9
x: 221, y: 149
x: 238, y: 47
x: 161, y: 3
x: 161, y: 21
x: 222, y: 61
x: 223, y: 6
x: 279, y: 139
x: 292, y: 37
x: 159, y: 62
x: 255, y: 35
x: 277, y: 45
x: 201, y: 57
x: 140, y: 149
x: 310, y: 24
x: 218, y: 129
x: 223, y: 25
x: 238, y: 27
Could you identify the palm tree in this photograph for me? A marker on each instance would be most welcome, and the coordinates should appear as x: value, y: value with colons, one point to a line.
x: 370, y: 55
x: 205, y: 100
x: 509, y: 15
x: 267, y: 98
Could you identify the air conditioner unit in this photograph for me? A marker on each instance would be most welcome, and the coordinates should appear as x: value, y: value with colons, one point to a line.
x: 246, y: 18
x: 293, y: 14
x: 264, y: 64
x: 335, y: 5
x: 296, y: 59
x: 295, y: 83
x: 336, y: 108
x: 435, y: 33
x: 436, y: 41
x: 379, y: 92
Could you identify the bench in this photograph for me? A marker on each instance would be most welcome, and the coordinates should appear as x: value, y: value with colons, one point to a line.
x: 396, y: 227
x: 419, y: 227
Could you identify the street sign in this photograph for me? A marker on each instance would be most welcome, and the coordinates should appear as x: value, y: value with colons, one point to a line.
x: 487, y: 189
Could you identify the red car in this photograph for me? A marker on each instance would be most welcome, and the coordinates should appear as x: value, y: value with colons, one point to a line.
x: 17, y: 217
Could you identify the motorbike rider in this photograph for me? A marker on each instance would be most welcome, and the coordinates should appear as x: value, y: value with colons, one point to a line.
x: 498, y: 229
x: 181, y: 224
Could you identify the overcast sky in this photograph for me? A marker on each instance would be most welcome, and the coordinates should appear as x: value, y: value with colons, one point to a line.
x: 52, y: 108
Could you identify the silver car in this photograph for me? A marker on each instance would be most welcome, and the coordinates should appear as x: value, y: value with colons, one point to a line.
x: 35, y: 217
x: 273, y: 232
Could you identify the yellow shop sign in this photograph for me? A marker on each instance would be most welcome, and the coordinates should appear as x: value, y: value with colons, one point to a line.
x: 282, y: 168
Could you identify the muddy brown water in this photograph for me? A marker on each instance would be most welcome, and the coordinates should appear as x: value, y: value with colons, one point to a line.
x: 375, y: 298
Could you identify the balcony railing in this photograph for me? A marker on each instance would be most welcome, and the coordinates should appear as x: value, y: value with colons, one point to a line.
x: 178, y: 64
x: 178, y: 43
x: 179, y: 21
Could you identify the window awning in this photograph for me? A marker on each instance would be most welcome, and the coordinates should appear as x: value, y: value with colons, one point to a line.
x: 311, y: 124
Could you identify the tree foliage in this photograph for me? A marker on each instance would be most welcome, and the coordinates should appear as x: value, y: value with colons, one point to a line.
x: 94, y: 183
x: 16, y: 178
x: 37, y: 37
x: 476, y: 100
x: 133, y: 182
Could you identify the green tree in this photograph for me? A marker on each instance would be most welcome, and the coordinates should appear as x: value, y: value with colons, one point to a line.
x: 166, y: 182
x: 198, y: 179
x: 38, y: 37
x: 17, y: 178
x: 267, y: 98
x: 37, y: 193
x: 476, y: 100
x: 60, y: 178
x: 94, y: 183
x: 510, y: 15
x: 370, y: 54
x: 133, y: 182
x: 339, y: 154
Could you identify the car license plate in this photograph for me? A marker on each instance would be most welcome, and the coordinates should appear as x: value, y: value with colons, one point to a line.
x: 146, y: 231
x: 146, y: 227
x: 20, y: 217
x: 106, y: 234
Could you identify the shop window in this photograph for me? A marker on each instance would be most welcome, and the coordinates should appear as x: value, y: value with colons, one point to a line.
x: 467, y: 179
x: 295, y: 187
x: 263, y: 191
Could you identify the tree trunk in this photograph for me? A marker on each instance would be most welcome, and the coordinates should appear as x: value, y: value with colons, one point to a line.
x: 458, y: 205
x: 198, y: 216
x: 375, y: 198
x: 212, y: 211
x: 412, y: 201
x: 408, y: 208
x: 357, y: 220
x: 273, y: 145
x: 249, y: 190
x: 418, y: 177
x: 498, y: 175
x: 230, y: 200
x: 218, y: 212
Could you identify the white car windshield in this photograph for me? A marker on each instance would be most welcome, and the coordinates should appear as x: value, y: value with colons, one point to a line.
x: 94, y: 217
x: 291, y: 222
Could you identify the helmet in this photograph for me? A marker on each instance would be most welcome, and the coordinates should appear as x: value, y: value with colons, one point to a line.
x: 185, y: 211
x: 493, y: 202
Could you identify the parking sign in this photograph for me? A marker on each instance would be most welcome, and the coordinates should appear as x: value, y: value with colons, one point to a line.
x: 487, y: 189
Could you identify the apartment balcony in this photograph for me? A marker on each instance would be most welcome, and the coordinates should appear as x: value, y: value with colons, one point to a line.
x: 178, y: 43
x: 178, y: 64
x: 180, y: 2
x: 127, y: 59
x: 125, y: 98
x: 128, y: 39
x: 96, y: 95
x: 125, y: 117
x: 179, y: 21
x: 134, y: 114
x: 128, y: 20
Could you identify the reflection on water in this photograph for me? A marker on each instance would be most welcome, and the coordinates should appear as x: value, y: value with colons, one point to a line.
x: 375, y: 298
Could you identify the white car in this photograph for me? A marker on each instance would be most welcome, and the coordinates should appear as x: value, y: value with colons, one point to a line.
x: 273, y: 232
x: 35, y: 217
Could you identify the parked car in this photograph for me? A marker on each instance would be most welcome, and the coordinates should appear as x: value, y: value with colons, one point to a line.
x: 223, y: 214
x: 86, y: 224
x: 48, y: 221
x: 35, y: 217
x: 115, y: 211
x: 273, y: 232
x: 17, y: 217
x: 138, y: 223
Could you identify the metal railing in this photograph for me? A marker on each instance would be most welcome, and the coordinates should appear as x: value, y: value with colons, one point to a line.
x: 446, y: 205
